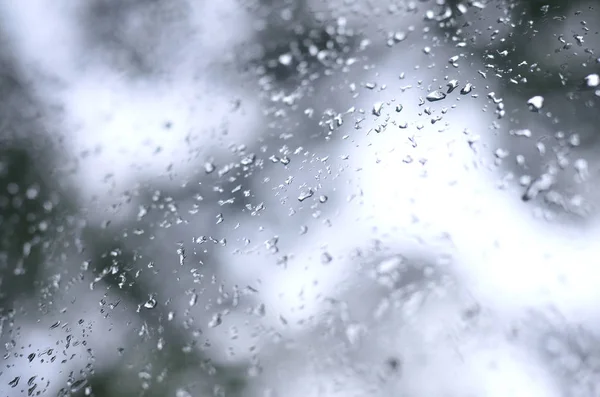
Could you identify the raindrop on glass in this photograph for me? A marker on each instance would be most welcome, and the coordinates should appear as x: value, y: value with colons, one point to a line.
x: 150, y: 303
x: 377, y: 108
x: 305, y: 195
x: 592, y: 80
x: 452, y: 84
x: 536, y: 103
x: 435, y: 96
x: 466, y: 89
x: 209, y: 167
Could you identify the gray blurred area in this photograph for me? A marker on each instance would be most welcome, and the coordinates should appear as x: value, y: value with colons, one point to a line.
x: 299, y: 198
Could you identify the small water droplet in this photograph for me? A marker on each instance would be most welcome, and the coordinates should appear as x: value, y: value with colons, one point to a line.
x: 259, y: 310
x: 182, y: 393
x: 209, y: 167
x: 434, y: 96
x: 377, y: 106
x: 323, y: 199
x: 216, y: 320
x: 525, y: 132
x: 452, y: 85
x: 326, y: 258
x: 305, y: 195
x: 466, y: 89
x: 193, y: 299
x: 399, y: 36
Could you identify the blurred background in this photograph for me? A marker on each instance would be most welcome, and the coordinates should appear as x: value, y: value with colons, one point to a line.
x: 299, y: 198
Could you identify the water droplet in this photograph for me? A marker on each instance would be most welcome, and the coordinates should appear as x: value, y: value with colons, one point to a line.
x: 543, y: 183
x: 285, y: 59
x: 305, y: 195
x: 535, y: 103
x: 182, y: 393
x: 209, y: 167
x: 31, y: 357
x: 259, y: 310
x: 354, y: 332
x: 466, y: 89
x: 399, y: 36
x: 377, y: 106
x: 215, y: 321
x: 592, y: 80
x: 326, y: 258
x: 452, y: 84
x: 581, y: 166
x: 435, y: 96
x: 323, y: 199
x: 14, y: 382
x: 78, y: 385
x: 525, y: 132
x: 150, y: 303
x: 193, y: 299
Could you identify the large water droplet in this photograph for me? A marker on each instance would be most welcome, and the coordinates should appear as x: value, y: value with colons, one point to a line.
x: 150, y: 303
x: 466, y: 89
x: 592, y: 80
x: 14, y: 382
x: 435, y: 96
x: 452, y: 84
x: 535, y: 103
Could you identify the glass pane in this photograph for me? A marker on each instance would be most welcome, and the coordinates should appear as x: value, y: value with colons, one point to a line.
x: 299, y: 198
